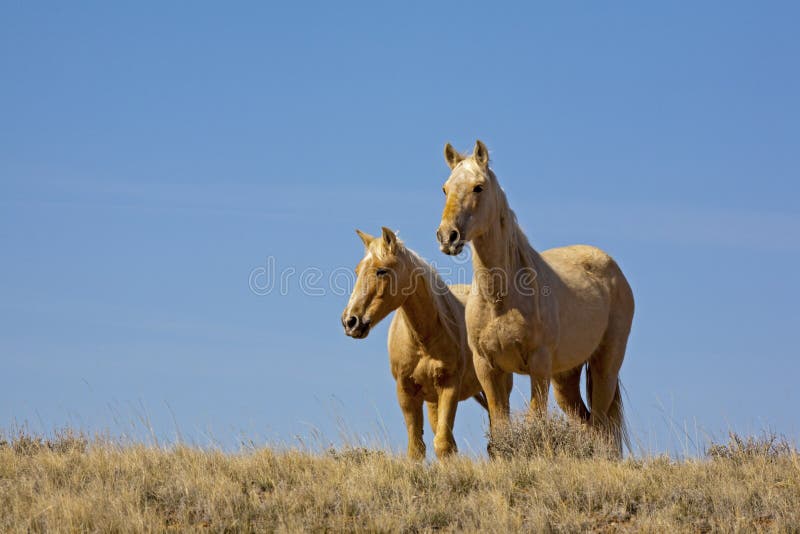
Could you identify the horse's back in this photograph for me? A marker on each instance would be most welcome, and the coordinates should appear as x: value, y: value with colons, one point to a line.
x: 581, y: 266
x: 584, y: 257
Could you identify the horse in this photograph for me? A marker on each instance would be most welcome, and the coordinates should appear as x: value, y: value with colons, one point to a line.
x: 428, y: 352
x: 546, y: 314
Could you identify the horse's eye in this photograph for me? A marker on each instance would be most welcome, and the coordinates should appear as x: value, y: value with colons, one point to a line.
x: 477, y: 189
x: 444, y: 191
x: 382, y: 272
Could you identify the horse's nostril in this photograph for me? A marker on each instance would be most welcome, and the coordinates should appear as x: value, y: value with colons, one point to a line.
x: 453, y: 236
x: 352, y: 321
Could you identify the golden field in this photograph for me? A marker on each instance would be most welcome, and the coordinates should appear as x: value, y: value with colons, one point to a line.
x: 554, y: 479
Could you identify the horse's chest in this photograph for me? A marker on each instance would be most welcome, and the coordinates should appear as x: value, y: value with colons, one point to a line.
x: 503, y: 339
x: 424, y: 374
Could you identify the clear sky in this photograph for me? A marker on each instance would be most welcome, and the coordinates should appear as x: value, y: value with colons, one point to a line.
x: 153, y: 155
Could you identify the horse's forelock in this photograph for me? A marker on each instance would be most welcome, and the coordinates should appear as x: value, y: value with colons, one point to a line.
x: 467, y: 165
x: 378, y: 249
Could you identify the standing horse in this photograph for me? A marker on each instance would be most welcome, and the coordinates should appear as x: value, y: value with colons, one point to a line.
x: 545, y: 315
x: 428, y: 351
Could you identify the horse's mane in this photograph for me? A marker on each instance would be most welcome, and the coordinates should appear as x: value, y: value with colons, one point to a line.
x: 445, y: 303
x: 520, y: 254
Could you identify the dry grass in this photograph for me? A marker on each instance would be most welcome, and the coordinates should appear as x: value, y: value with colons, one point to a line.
x: 550, y: 437
x: 69, y: 483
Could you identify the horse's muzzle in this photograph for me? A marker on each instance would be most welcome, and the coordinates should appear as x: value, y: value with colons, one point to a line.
x: 356, y: 327
x: 450, y: 241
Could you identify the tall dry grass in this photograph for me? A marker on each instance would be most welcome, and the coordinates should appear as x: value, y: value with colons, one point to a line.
x: 70, y: 483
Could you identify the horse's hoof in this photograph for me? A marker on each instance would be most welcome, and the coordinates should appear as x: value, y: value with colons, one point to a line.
x: 445, y: 449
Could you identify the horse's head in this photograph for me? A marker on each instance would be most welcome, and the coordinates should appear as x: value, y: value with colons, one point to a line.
x: 381, y: 285
x: 469, y: 205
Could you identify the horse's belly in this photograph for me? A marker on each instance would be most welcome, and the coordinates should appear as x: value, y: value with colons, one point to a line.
x: 583, y: 307
x: 567, y: 360
x: 582, y: 324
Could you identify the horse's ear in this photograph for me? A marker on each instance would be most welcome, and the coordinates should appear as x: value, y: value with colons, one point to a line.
x: 389, y: 239
x: 481, y: 154
x: 451, y: 156
x: 366, y: 238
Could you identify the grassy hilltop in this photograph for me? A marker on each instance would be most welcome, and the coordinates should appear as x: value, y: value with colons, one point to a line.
x: 552, y: 477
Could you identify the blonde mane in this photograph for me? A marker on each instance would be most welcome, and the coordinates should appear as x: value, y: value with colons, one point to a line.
x: 520, y: 254
x: 445, y: 303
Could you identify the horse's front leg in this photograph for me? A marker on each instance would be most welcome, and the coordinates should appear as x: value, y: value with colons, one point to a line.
x: 496, y: 385
x: 433, y: 416
x: 540, y: 367
x: 443, y: 441
x: 411, y: 404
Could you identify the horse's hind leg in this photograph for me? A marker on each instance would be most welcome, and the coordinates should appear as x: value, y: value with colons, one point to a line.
x: 605, y: 400
x: 603, y: 387
x: 567, y: 391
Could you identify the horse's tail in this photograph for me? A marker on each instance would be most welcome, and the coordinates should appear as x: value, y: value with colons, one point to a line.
x: 481, y: 398
x: 615, y: 418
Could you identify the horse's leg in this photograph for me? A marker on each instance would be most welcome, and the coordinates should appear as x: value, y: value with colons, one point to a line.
x: 603, y: 392
x: 604, y: 385
x: 411, y: 405
x: 605, y: 400
x: 497, y: 386
x: 433, y: 415
x: 603, y: 388
x: 540, y: 366
x: 567, y: 391
x: 443, y: 441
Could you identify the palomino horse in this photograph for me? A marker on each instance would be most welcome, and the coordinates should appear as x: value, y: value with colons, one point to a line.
x: 428, y: 350
x: 545, y: 315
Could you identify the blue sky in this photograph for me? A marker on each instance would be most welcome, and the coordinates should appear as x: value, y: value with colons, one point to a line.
x: 153, y: 155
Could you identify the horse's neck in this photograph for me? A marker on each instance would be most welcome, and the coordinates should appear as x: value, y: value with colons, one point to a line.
x: 494, y: 256
x: 420, y: 310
